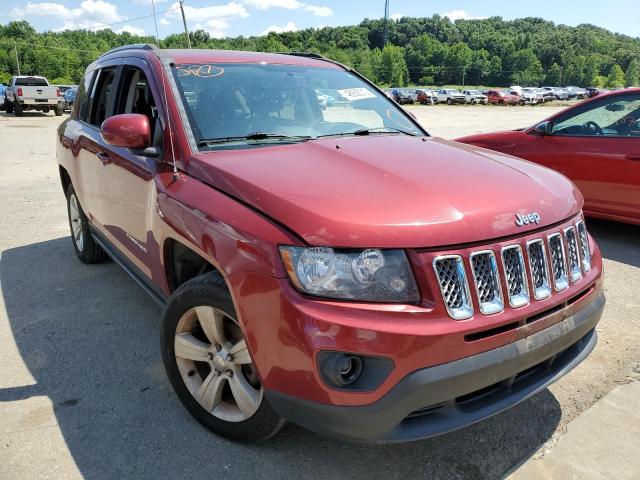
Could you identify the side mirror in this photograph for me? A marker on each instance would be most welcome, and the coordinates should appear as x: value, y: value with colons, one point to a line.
x: 128, y: 130
x: 544, y: 128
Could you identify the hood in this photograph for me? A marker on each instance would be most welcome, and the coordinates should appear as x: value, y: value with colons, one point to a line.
x: 504, y: 142
x: 389, y: 190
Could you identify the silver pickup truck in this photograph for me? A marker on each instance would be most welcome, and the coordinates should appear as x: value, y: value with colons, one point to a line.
x: 32, y: 93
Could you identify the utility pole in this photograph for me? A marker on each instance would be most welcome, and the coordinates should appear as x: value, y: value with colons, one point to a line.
x: 385, y: 33
x: 155, y: 21
x: 560, y: 76
x: 184, y: 22
x: 15, y: 49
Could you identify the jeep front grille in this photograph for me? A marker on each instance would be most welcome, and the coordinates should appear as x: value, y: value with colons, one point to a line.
x: 573, y: 257
x: 454, y: 286
x: 552, y: 261
x: 585, y: 252
x: 539, y: 269
x: 485, y: 276
x: 558, y: 263
x: 516, y: 275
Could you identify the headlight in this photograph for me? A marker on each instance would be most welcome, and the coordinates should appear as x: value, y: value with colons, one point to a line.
x: 370, y: 275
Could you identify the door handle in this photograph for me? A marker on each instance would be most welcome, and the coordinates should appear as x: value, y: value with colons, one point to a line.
x: 104, y: 158
x: 633, y: 156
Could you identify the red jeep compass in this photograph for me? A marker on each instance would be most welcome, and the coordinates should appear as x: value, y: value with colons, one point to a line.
x: 337, y: 267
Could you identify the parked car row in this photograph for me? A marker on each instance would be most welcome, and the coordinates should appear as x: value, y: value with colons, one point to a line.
x: 514, y: 95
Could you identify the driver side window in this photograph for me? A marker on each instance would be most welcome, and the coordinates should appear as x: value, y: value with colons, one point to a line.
x: 136, y: 96
x: 614, y: 116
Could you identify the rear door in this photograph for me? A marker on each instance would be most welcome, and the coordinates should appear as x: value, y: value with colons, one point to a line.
x: 90, y: 150
x: 597, y: 145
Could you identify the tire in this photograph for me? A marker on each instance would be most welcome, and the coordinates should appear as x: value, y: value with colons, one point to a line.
x: 8, y: 106
x: 86, y: 248
x: 522, y: 103
x: 449, y: 101
x: 59, y: 110
x: 17, y: 109
x: 45, y: 110
x: 208, y: 371
x: 473, y: 101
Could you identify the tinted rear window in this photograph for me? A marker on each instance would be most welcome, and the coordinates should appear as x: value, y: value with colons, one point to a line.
x: 31, y: 82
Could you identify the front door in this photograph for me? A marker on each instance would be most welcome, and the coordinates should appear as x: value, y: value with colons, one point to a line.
x: 128, y: 176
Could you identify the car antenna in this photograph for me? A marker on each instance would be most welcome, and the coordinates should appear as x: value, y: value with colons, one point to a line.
x: 168, y: 115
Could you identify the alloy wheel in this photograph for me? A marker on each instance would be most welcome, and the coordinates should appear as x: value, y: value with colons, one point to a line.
x: 76, y: 222
x: 215, y: 365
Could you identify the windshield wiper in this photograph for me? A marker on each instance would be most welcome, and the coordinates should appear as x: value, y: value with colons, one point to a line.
x: 253, y: 136
x: 369, y: 131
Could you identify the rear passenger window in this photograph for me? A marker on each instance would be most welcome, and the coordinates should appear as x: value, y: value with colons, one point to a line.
x: 82, y: 99
x: 102, y: 97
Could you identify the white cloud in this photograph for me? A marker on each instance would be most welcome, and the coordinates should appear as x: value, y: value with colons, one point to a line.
x: 319, y: 11
x: 267, y: 4
x: 213, y: 19
x: 397, y: 16
x: 90, y: 13
x: 148, y: 2
x: 132, y: 30
x: 289, y: 27
x: 164, y: 22
x: 454, y: 15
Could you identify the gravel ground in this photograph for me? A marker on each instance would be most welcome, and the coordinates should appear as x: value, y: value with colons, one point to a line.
x: 83, y: 391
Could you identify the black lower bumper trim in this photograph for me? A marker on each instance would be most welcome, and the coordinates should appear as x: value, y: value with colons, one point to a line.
x: 440, y: 399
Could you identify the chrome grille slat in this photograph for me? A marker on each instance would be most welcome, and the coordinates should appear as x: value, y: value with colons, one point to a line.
x: 553, y: 262
x: 558, y: 263
x: 585, y: 252
x: 454, y: 286
x: 515, y: 276
x: 539, y: 269
x: 573, y: 257
x: 485, y: 276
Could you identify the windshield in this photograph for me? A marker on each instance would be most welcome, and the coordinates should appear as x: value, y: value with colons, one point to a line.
x: 227, y: 102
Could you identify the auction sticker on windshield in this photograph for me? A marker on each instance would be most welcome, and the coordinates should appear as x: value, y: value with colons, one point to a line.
x: 353, y: 94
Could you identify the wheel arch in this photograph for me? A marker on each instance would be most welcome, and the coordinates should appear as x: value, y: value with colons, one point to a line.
x: 65, y: 178
x: 183, y: 263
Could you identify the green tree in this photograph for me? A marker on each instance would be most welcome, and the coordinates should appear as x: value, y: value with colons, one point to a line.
x: 525, y: 68
x: 616, y: 77
x: 632, y: 75
x: 599, y: 81
x: 458, y: 61
x: 394, y: 67
x: 554, y: 75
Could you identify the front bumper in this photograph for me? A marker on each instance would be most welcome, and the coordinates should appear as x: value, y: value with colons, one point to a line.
x: 446, y: 397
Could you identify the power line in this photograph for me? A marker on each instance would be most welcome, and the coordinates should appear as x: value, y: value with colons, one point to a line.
x: 135, y: 19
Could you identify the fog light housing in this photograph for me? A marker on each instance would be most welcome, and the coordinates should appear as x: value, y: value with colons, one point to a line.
x: 348, y: 371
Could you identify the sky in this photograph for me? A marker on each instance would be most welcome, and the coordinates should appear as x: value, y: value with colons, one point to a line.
x: 254, y: 17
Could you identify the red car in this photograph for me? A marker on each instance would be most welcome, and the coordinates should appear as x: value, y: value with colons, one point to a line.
x: 338, y: 267
x: 595, y: 143
x: 502, y: 98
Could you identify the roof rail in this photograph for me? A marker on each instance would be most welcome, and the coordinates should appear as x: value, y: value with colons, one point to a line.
x: 317, y: 56
x: 133, y: 46
x: 307, y: 55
